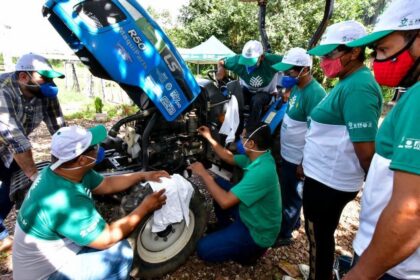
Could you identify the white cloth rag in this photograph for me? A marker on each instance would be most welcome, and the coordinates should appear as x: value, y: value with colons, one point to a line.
x: 231, y: 122
x: 178, y: 193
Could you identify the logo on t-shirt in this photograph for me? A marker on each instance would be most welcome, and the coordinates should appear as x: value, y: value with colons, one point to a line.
x: 409, y: 144
x: 256, y: 82
x: 292, y: 101
x: 89, y: 229
x: 358, y: 125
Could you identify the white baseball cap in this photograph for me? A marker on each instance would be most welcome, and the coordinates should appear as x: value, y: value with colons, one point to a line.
x: 400, y: 15
x: 251, y: 52
x: 71, y: 141
x: 294, y: 57
x: 38, y: 63
x: 338, y: 34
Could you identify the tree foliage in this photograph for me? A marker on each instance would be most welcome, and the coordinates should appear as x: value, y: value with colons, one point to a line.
x: 289, y: 23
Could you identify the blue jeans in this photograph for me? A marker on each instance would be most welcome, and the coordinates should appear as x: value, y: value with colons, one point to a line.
x: 5, y: 203
x: 233, y: 242
x: 91, y: 264
x: 292, y: 201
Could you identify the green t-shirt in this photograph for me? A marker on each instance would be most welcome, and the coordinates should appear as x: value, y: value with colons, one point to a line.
x: 356, y: 102
x: 260, y: 199
x: 260, y: 77
x: 56, y: 208
x: 398, y: 138
x: 303, y: 100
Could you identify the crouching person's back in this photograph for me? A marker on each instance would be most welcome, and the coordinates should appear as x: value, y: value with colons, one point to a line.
x: 248, y: 213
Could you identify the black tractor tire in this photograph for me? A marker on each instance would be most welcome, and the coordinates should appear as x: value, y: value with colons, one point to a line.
x: 148, y: 264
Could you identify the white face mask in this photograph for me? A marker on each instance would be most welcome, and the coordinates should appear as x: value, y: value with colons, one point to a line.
x: 255, y: 131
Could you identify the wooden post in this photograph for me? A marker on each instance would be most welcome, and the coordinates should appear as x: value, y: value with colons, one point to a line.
x: 103, y: 89
x: 76, y: 85
x: 90, y: 86
x: 66, y: 64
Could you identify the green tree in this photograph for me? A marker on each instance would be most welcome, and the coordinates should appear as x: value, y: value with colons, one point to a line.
x: 289, y: 23
x: 232, y: 23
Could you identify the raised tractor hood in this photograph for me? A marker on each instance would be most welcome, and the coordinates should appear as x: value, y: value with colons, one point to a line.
x: 118, y: 40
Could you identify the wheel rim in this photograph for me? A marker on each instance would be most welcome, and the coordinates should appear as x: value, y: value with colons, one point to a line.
x: 153, y: 248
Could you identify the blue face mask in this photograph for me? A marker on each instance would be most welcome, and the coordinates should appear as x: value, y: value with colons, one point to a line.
x: 100, y: 156
x: 240, y: 147
x: 250, y: 69
x: 289, y: 82
x: 49, y: 90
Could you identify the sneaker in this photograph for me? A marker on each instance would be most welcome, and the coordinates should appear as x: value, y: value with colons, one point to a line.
x: 304, y: 270
x: 280, y: 242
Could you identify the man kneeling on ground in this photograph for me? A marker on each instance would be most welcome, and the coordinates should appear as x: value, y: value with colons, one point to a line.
x: 59, y: 233
x: 248, y: 213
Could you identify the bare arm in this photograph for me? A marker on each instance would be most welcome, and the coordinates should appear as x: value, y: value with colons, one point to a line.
x: 120, y: 229
x: 26, y: 163
x: 221, y: 71
x: 223, y: 198
x: 119, y: 183
x: 220, y: 151
x: 364, y: 152
x: 397, y: 233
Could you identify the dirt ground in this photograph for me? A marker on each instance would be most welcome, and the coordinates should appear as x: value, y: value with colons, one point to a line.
x: 273, y: 265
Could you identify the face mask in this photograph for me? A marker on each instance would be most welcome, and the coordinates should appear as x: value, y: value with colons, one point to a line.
x: 390, y: 72
x: 240, y: 147
x: 331, y: 67
x: 49, y: 89
x: 255, y: 131
x: 250, y: 69
x: 289, y: 82
x: 100, y: 156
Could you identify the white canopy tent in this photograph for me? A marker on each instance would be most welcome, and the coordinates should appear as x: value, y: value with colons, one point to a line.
x: 208, y: 52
